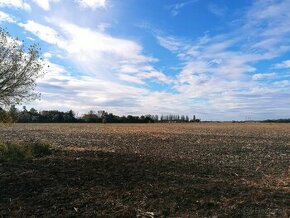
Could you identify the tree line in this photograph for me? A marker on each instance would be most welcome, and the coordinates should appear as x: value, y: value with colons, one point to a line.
x: 14, y: 115
x: 277, y: 121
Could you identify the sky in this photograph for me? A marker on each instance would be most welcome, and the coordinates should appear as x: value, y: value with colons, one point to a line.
x: 217, y: 59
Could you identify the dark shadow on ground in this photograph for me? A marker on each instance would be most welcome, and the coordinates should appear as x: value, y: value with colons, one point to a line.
x: 74, y: 184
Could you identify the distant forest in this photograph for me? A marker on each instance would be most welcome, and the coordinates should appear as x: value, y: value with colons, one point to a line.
x: 277, y: 121
x: 14, y: 115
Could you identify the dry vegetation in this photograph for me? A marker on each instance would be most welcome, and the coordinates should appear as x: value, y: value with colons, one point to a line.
x: 10, y: 151
x: 146, y: 170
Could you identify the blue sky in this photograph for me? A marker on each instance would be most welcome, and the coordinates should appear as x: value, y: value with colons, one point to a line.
x: 220, y: 60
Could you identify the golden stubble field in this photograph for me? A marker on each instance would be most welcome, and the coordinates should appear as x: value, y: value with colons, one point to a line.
x: 160, y: 170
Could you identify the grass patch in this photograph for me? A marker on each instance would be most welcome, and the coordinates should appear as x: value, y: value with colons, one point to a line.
x: 12, y: 151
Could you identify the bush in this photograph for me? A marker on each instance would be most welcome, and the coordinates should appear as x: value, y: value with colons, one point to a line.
x: 38, y: 149
x: 5, y: 117
x: 13, y: 151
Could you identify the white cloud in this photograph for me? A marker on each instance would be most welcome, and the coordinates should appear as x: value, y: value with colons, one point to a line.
x: 47, y: 55
x: 139, y: 75
x: 108, y: 67
x: 103, y: 27
x: 219, y: 68
x: 6, y: 17
x: 45, y: 4
x: 43, y: 32
x: 284, y: 64
x: 217, y: 9
x: 171, y: 43
x: 259, y: 76
x: 84, y: 93
x: 131, y: 79
x: 157, y: 75
x: 176, y: 8
x: 93, y: 4
x: 102, y: 54
x: 30, y: 38
x: 18, y: 4
x: 283, y: 83
x: 87, y: 92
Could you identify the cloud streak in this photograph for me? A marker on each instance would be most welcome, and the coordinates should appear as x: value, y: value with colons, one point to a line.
x: 45, y: 4
x: 93, y: 4
x: 4, y: 17
x: 18, y: 4
x: 176, y: 8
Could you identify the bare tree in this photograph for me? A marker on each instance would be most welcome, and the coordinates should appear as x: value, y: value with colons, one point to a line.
x: 19, y: 69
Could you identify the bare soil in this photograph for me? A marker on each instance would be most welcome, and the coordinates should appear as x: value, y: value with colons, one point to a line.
x: 149, y: 170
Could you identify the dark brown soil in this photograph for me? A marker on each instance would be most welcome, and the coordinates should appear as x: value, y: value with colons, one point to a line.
x: 160, y: 170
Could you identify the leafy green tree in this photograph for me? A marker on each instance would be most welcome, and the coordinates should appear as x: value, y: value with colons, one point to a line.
x: 24, y: 117
x: 91, y: 117
x: 33, y: 111
x: 13, y: 112
x: 69, y: 116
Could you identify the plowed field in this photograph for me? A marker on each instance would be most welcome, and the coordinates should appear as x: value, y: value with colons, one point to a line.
x: 149, y: 170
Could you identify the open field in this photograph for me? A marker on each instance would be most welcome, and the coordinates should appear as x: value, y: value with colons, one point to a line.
x: 171, y: 170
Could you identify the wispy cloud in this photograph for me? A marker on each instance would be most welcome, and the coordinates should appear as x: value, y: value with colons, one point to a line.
x: 43, y: 32
x: 18, y: 4
x: 284, y: 64
x: 4, y: 17
x: 176, y: 8
x: 171, y: 43
x: 93, y: 4
x: 222, y: 68
x: 217, y: 10
x: 45, y: 4
x: 259, y: 76
x: 100, y: 51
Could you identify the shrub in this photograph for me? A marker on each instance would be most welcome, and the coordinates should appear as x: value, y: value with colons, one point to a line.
x: 38, y: 149
x: 5, y: 117
x: 13, y: 151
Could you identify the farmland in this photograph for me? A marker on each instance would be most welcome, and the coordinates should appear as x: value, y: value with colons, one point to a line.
x: 165, y: 170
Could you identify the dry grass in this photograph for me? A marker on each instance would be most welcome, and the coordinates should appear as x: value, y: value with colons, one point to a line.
x: 15, y: 152
x: 174, y: 170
